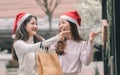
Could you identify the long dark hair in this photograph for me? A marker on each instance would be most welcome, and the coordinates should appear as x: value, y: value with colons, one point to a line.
x: 22, y: 34
x: 75, y: 36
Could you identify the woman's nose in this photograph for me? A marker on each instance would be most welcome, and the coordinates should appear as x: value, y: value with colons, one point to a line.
x: 35, y: 25
x: 60, y: 26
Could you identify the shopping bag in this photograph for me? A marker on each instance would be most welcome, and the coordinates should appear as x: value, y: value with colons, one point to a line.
x: 48, y: 63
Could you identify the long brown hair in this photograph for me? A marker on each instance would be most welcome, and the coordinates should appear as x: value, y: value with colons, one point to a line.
x: 60, y: 46
x: 22, y: 34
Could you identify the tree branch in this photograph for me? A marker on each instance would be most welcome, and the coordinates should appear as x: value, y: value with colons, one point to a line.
x: 40, y: 4
x: 56, y: 4
x: 50, y: 4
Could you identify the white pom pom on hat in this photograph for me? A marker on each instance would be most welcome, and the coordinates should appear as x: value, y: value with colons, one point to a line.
x: 20, y: 17
x: 13, y: 36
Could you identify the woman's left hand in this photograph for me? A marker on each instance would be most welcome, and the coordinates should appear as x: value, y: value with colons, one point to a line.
x: 92, y: 36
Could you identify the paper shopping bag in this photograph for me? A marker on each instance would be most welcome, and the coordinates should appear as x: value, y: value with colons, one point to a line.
x: 48, y: 64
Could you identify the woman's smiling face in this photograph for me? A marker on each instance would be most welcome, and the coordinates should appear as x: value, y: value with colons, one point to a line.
x: 32, y: 27
x: 64, y: 25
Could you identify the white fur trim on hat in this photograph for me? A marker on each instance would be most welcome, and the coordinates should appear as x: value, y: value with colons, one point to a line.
x: 70, y: 19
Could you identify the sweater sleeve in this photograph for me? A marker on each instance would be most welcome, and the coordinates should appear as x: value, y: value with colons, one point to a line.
x: 86, y: 52
x: 52, y: 40
x: 23, y: 47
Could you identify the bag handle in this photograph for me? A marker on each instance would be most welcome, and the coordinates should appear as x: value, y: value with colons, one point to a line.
x: 44, y: 48
x: 42, y: 45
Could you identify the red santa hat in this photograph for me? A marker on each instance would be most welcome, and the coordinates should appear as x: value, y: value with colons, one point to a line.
x: 72, y: 16
x: 18, y: 21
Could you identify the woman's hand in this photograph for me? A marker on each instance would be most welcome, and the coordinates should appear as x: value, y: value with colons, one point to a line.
x: 63, y: 35
x: 92, y: 36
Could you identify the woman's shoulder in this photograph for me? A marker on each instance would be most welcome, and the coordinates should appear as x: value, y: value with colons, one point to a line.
x: 17, y: 42
x: 77, y: 43
x: 82, y: 42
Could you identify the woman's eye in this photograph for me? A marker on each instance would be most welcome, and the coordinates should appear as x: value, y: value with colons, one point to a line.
x: 63, y: 22
x: 33, y: 23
